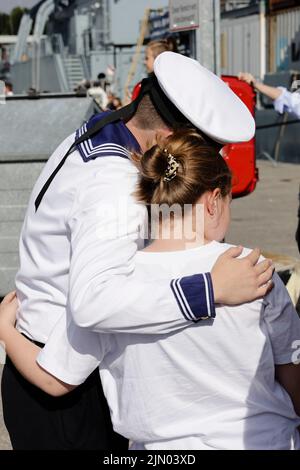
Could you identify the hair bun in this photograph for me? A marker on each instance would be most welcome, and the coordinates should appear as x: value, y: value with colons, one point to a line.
x: 155, y: 163
x: 180, y: 169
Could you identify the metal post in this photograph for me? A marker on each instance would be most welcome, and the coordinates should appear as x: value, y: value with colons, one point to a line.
x: 217, y: 37
x: 263, y: 39
x: 208, y: 35
x: 33, y: 63
x: 108, y: 22
x: 38, y: 67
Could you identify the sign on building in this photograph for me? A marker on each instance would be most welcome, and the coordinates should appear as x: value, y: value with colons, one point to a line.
x: 184, y: 14
x: 282, y: 4
x: 159, y: 23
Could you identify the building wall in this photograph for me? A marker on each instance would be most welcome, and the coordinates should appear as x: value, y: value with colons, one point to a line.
x: 21, y: 75
x: 240, y: 45
x: 284, y: 40
x: 281, y: 4
x: 16, y: 183
x: 30, y: 132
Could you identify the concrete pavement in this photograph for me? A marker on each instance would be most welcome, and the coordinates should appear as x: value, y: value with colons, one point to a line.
x: 268, y: 217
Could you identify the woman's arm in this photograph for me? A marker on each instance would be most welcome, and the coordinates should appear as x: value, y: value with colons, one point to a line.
x: 270, y: 91
x: 23, y: 353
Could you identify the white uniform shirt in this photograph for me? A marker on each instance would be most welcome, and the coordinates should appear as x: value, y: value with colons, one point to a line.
x: 288, y: 102
x: 77, y: 250
x: 99, y: 95
x: 208, y: 386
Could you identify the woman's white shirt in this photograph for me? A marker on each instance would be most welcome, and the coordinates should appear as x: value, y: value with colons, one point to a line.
x: 209, y: 386
x: 288, y: 102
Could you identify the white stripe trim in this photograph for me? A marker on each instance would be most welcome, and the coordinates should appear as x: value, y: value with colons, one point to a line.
x: 207, y: 295
x: 81, y: 131
x: 92, y: 148
x: 101, y: 149
x: 108, y: 144
x: 187, y: 307
x: 85, y: 149
x: 178, y: 298
x: 89, y: 150
x: 105, y: 152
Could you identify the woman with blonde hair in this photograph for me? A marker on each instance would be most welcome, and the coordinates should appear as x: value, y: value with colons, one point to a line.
x: 153, y: 50
x: 156, y: 47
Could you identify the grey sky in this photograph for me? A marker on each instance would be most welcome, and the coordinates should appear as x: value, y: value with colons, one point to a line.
x: 7, y: 5
x: 126, y: 15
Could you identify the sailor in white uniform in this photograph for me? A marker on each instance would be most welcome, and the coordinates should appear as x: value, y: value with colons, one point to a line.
x: 79, y: 238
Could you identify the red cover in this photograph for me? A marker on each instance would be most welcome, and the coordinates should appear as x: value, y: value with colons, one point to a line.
x: 241, y: 158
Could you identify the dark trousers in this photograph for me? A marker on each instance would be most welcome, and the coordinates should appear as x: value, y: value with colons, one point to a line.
x: 79, y: 420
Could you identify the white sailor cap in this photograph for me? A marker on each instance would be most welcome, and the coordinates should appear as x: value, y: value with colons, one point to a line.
x: 204, y: 99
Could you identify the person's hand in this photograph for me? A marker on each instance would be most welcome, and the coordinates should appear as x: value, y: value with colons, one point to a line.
x: 237, y: 281
x: 247, y: 77
x: 8, y: 311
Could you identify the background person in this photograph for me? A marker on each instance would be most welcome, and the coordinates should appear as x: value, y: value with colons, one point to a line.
x: 8, y: 89
x: 153, y: 50
x: 97, y: 92
x: 156, y: 47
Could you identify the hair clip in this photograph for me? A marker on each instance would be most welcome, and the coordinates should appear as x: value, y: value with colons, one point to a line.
x: 173, y: 165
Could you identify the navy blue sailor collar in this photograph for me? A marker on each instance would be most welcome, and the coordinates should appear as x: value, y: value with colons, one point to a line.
x: 114, y: 140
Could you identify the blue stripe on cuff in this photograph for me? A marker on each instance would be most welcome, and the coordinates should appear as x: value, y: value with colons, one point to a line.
x: 195, y: 297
